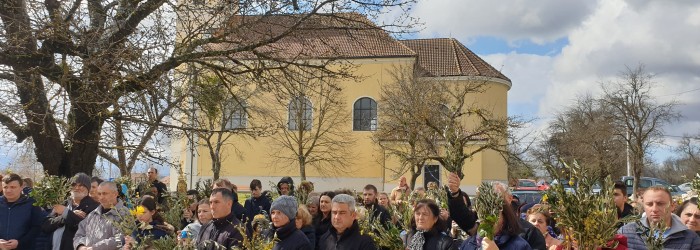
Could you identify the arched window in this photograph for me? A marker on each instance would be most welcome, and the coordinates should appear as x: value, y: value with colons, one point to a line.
x: 236, y: 114
x: 364, y: 115
x: 300, y: 114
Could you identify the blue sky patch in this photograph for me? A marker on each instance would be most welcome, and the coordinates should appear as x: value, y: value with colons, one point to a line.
x: 486, y: 45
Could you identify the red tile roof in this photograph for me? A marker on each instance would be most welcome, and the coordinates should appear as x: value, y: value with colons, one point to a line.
x: 346, y: 35
x: 449, y: 57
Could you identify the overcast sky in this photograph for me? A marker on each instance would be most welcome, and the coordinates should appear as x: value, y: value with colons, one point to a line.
x: 554, y: 50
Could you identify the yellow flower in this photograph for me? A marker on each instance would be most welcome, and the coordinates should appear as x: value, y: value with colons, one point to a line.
x: 138, y: 211
x: 259, y: 217
x: 544, y: 198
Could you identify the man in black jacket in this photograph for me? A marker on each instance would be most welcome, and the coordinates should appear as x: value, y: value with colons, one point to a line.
x: 624, y: 209
x: 153, y: 182
x: 369, y: 196
x: 256, y: 204
x: 466, y: 219
x: 63, y: 221
x: 221, y: 231
x: 345, y: 233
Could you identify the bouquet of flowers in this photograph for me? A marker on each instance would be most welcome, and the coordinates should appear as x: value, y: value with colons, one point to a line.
x: 51, y: 190
x: 489, y: 204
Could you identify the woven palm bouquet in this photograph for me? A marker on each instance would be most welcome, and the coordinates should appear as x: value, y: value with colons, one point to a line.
x: 587, y: 219
x: 489, y: 204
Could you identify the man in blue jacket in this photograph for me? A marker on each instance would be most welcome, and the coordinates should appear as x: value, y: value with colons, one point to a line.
x: 19, y: 219
x: 656, y: 201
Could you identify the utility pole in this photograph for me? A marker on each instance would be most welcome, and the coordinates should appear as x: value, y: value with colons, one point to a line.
x: 627, y: 142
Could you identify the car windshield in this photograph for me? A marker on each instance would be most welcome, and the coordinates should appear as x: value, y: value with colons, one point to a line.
x: 526, y: 183
x: 528, y: 197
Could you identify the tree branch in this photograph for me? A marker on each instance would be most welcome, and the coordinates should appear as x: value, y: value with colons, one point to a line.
x: 108, y: 157
x: 20, y: 131
x: 128, y: 26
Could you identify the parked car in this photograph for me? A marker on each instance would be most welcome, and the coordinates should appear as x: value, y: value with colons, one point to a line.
x: 526, y: 184
x: 675, y: 191
x: 527, y: 199
x: 644, y: 182
x: 542, y: 185
x: 685, y: 187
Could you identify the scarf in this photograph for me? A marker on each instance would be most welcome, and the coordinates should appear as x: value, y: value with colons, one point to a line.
x: 417, y: 241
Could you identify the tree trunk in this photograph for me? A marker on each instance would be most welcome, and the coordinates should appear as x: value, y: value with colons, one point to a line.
x: 49, y: 148
x: 416, y: 170
x: 86, y: 138
x: 302, y: 168
x: 215, y: 165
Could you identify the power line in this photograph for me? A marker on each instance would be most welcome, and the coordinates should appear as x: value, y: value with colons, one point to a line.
x: 681, y: 93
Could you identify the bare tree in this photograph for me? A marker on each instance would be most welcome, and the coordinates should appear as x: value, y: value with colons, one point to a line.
x: 220, y: 113
x: 309, y: 112
x: 403, y: 133
x: 640, y: 115
x: 464, y: 128
x: 586, y: 133
x: 136, y: 135
x: 689, y: 148
x: 93, y: 54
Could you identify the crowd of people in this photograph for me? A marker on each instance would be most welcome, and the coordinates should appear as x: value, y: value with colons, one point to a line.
x: 304, y: 219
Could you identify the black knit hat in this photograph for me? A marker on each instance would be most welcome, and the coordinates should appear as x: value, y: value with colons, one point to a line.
x: 82, y: 179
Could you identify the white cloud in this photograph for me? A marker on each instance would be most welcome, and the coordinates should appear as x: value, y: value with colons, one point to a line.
x: 528, y: 73
x: 539, y: 21
x: 662, y: 35
x: 604, y: 37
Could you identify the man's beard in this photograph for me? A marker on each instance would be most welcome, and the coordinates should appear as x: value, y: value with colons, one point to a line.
x: 77, y: 195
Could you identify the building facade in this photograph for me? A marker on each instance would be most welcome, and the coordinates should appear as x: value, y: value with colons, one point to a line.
x: 372, y: 55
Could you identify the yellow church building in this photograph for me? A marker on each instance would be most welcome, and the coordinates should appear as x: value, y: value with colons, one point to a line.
x: 372, y: 54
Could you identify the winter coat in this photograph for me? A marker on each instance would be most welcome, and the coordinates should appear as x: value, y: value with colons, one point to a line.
x: 222, y: 232
x: 321, y: 225
x: 254, y: 206
x: 158, y: 230
x: 379, y: 212
x: 291, y: 238
x: 20, y: 221
x: 435, y: 240
x: 532, y: 235
x: 310, y: 233
x: 289, y: 181
x: 238, y: 211
x: 626, y: 211
x: 504, y: 242
x: 69, y: 221
x: 97, y: 229
x: 679, y: 236
x: 193, y: 230
x: 351, y: 239
x: 461, y: 213
x: 399, y: 194
x: 144, y: 187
